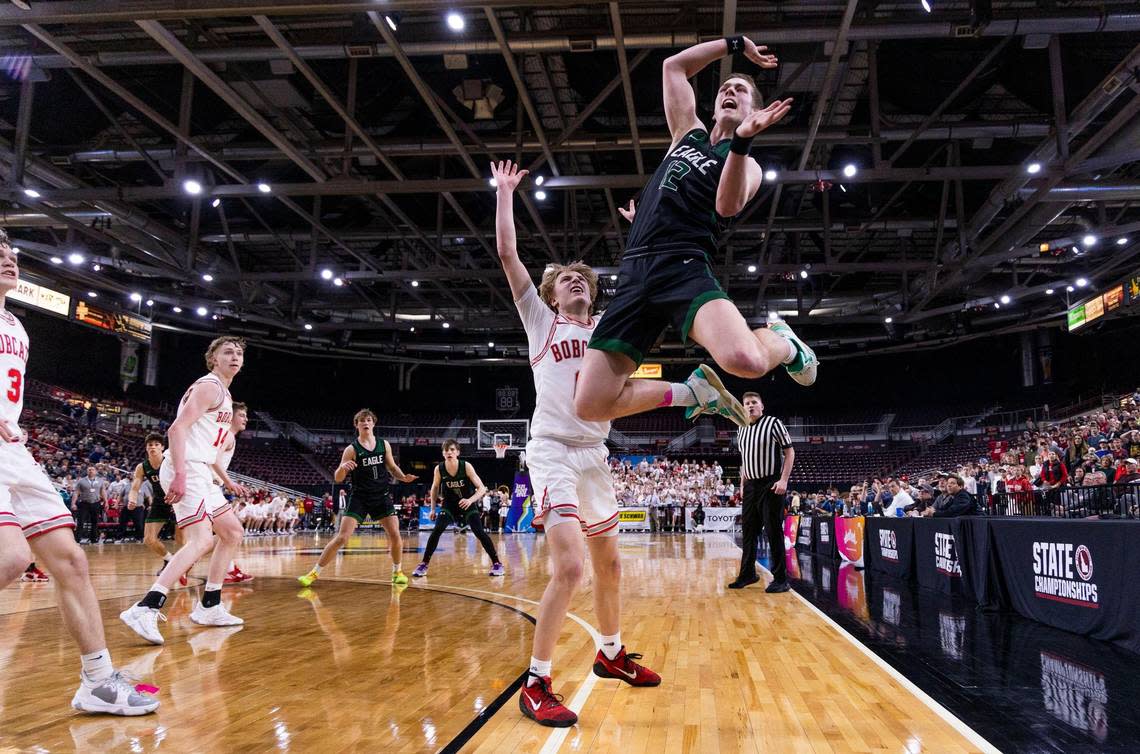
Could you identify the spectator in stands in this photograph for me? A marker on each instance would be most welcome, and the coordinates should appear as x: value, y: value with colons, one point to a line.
x: 900, y: 499
x: 1053, y: 473
x: 956, y: 501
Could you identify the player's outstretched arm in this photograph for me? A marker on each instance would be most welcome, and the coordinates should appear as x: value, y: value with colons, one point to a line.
x: 507, y: 176
x: 742, y: 176
x: 393, y: 469
x: 347, y: 464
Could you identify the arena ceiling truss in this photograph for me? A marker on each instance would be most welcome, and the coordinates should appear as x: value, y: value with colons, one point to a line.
x: 341, y: 154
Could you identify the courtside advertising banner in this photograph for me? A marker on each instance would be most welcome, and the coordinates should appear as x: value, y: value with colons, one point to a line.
x: 721, y: 519
x: 1081, y: 576
x: 849, y: 536
x: 521, y: 513
x: 791, y: 525
x: 803, y: 532
x: 890, y: 545
x: 633, y: 519
x: 937, y: 563
x: 824, y: 535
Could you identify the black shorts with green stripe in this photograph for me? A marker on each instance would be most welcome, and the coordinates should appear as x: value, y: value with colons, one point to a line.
x: 655, y: 288
x: 458, y: 515
x: 159, y: 513
x: 361, y: 507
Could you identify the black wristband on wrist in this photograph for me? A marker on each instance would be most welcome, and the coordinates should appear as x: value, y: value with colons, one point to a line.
x: 735, y: 44
x: 740, y: 144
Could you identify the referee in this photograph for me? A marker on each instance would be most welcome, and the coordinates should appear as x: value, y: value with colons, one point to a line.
x: 766, y: 458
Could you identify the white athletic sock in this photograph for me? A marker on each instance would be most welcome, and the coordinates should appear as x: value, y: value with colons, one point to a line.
x: 611, y: 645
x: 159, y: 588
x: 97, y: 666
x: 166, y: 558
x: 540, y: 668
x: 793, y: 352
x: 317, y: 569
x: 396, y: 568
x: 681, y: 395
x: 233, y: 566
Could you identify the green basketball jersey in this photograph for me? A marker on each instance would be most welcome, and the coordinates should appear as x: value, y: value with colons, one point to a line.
x: 150, y: 473
x: 454, y: 488
x: 370, y: 477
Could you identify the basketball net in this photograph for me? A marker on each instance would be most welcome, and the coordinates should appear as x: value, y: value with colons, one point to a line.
x: 500, y: 450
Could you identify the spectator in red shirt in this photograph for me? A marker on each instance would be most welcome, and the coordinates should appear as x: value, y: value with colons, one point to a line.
x: 1053, y: 472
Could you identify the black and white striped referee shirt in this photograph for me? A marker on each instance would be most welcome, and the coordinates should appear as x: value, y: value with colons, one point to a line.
x: 762, y: 445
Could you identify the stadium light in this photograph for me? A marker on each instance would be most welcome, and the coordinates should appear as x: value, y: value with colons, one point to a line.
x: 94, y: 267
x: 1070, y: 289
x: 92, y: 294
x: 177, y: 310
x: 446, y: 325
x: 214, y: 317
x: 1089, y: 240
x: 752, y: 268
x: 308, y: 326
x: 926, y: 5
x: 540, y: 195
x: 216, y: 203
x: 136, y: 297
x: 390, y: 21
x: 1121, y: 241
x: 201, y: 311
x: 997, y: 305
x: 849, y: 170
x: 1033, y: 168
x: 773, y: 316
x: 75, y: 257
x: 192, y: 187
x: 493, y: 182
x: 326, y: 274
x: 770, y: 174
x: 804, y: 274
x: 264, y: 188
x: 150, y: 302
x: 539, y: 180
x: 889, y: 320
x: 56, y: 260
x: 455, y: 21
x: 32, y: 193
x: 415, y: 284
x: 613, y: 278
x: 1048, y: 291
x: 1082, y: 282
x: 338, y: 282
x: 208, y: 278
x: 490, y: 344
x: 1005, y: 299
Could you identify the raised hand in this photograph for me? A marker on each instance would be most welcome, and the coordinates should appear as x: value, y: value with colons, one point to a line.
x: 759, y: 120
x: 628, y: 213
x: 759, y: 55
x: 507, y: 175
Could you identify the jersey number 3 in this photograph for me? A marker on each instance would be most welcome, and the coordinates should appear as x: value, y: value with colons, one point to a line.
x: 17, y: 383
x: 677, y: 170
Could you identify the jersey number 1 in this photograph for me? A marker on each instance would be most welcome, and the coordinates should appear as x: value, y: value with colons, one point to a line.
x: 17, y: 384
x: 678, y: 169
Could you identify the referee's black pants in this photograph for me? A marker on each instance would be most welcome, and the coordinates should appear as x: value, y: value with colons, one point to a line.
x: 762, y: 508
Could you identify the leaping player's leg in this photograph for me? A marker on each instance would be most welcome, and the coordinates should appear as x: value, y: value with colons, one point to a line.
x: 101, y: 688
x: 391, y: 524
x: 475, y: 521
x: 347, y: 527
x: 442, y: 521
x: 720, y: 328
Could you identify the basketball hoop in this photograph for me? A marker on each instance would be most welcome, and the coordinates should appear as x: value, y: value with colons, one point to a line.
x: 501, y: 449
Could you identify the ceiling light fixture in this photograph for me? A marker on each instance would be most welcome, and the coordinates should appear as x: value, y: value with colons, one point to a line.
x: 849, y: 170
x: 1082, y: 282
x: 75, y: 258
x: 327, y: 274
x: 455, y: 21
x: 540, y: 195
x: 32, y: 193
x: 192, y: 187
x: 1033, y: 168
x: 752, y: 268
x: 208, y: 278
x: 264, y: 188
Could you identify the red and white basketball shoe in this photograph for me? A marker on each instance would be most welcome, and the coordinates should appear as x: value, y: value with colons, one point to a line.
x: 543, y: 706
x: 237, y: 576
x: 625, y: 669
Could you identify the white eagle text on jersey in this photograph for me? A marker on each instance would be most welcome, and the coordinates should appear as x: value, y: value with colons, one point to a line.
x: 212, y: 429
x: 557, y: 348
x: 13, y: 361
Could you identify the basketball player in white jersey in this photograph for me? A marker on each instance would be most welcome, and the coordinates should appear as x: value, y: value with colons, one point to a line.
x: 33, y: 519
x: 567, y: 458
x: 234, y: 575
x: 201, y: 428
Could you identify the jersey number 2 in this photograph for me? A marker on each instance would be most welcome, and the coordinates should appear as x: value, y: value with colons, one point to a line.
x: 678, y: 169
x: 17, y: 384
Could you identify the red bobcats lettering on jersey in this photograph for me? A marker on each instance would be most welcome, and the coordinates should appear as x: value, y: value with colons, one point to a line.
x: 568, y: 349
x: 13, y: 346
x: 13, y: 360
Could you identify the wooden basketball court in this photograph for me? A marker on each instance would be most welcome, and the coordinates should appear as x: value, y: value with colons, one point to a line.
x: 353, y: 664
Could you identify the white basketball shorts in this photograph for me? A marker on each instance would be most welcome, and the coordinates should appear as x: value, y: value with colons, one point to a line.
x: 203, y: 498
x: 27, y: 498
x: 572, y: 484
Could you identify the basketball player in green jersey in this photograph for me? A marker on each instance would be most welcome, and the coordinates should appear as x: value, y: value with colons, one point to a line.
x: 160, y: 511
x: 705, y: 180
x: 461, y: 492
x: 365, y: 460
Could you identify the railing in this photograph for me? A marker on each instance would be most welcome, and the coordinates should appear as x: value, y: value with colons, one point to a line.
x: 1110, y: 500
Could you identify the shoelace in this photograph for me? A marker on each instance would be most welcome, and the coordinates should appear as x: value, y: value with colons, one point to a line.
x: 629, y: 660
x: 546, y: 695
x: 123, y: 681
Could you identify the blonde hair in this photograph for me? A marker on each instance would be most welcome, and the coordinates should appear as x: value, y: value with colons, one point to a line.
x: 216, y: 345
x: 757, y: 97
x: 550, y: 277
x: 363, y: 413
